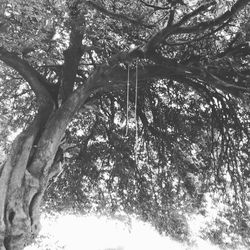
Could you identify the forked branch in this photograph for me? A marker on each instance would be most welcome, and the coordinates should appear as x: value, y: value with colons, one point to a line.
x: 161, y: 35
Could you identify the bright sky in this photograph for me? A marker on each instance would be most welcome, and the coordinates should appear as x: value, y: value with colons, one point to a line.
x: 78, y: 232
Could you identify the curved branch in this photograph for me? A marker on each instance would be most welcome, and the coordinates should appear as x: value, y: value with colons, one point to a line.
x: 227, y: 85
x: 101, y: 79
x: 34, y: 79
x: 117, y: 16
x: 160, y: 36
x: 195, y: 12
x: 155, y: 7
x: 217, y: 21
x: 213, y: 31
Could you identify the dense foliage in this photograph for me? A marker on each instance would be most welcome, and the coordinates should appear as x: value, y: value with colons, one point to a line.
x: 193, y: 108
x: 185, y: 152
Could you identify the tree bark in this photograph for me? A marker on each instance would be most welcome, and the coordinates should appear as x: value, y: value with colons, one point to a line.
x: 19, y: 218
x: 22, y: 189
x: 25, y: 174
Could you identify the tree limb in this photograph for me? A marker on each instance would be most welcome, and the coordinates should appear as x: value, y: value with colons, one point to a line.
x: 117, y: 16
x: 217, y: 21
x: 37, y: 83
x: 160, y: 36
x: 194, y: 13
x: 72, y: 57
x: 154, y: 6
x: 213, y: 31
x: 226, y: 85
x: 171, y: 17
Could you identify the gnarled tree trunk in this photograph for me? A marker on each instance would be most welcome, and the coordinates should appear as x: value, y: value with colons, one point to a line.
x: 31, y: 162
x: 20, y: 191
x: 25, y: 174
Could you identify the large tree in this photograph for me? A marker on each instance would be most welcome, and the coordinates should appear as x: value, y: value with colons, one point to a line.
x: 61, y: 58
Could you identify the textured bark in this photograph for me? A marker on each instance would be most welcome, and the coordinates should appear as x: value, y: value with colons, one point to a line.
x: 32, y: 161
x: 21, y: 195
x: 19, y: 219
x: 17, y: 187
x: 25, y: 174
x: 21, y: 190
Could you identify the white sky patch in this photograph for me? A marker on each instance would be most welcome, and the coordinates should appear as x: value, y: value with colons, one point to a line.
x: 14, y: 134
x: 80, y: 132
x: 79, y: 232
x: 74, y: 232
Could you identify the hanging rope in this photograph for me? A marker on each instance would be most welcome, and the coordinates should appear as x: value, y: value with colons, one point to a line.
x: 127, y: 109
x: 136, y: 121
x: 127, y: 114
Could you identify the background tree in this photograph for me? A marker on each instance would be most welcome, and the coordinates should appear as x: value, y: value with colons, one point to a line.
x: 64, y: 73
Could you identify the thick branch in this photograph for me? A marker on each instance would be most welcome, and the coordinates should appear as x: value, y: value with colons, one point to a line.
x: 117, y: 16
x: 194, y: 13
x: 14, y: 199
x: 72, y: 57
x: 222, y: 84
x: 55, y: 129
x: 34, y: 79
x: 160, y: 36
x: 116, y: 76
x: 154, y: 6
x: 217, y: 21
x: 171, y: 17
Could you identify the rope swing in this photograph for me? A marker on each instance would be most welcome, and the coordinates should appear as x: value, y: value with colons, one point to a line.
x: 136, y: 121
x: 127, y: 109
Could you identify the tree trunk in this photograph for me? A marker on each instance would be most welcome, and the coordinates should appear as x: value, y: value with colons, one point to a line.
x: 25, y: 174
x: 21, y: 188
x: 21, y: 191
x: 18, y: 218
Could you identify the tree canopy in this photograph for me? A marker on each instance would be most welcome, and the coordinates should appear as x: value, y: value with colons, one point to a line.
x: 67, y: 63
